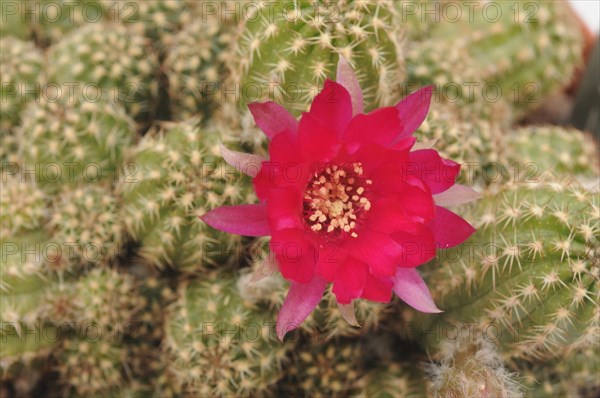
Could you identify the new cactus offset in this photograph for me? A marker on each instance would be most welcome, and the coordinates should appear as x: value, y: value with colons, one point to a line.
x: 470, y: 366
x: 220, y: 345
x: 178, y: 174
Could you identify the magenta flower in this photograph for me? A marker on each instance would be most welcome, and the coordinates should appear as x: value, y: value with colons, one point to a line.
x: 348, y: 198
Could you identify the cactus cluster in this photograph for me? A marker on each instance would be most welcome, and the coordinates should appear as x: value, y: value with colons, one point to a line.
x: 112, y: 119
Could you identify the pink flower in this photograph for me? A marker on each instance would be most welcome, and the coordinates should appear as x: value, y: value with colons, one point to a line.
x: 349, y: 199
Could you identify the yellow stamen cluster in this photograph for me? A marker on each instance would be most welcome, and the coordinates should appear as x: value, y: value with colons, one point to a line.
x: 334, y: 199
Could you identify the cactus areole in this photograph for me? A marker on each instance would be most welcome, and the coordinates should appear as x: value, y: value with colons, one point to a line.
x: 348, y: 198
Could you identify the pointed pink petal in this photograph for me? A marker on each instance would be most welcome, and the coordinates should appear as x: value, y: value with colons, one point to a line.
x: 247, y: 220
x: 379, y: 127
x: 347, y: 78
x: 333, y: 107
x: 301, y: 300
x: 456, y: 195
x: 266, y: 268
x: 272, y: 118
x: 411, y: 288
x: 378, y: 289
x: 413, y: 110
x: 317, y: 141
x: 350, y: 280
x: 247, y: 163
x: 296, y: 254
x: 438, y: 173
x: 450, y: 229
x: 347, y: 311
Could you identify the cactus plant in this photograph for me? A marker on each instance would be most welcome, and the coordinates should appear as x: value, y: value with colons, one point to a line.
x: 20, y: 72
x: 25, y: 354
x: 91, y: 366
x: 557, y: 149
x: 12, y: 22
x: 219, y: 344
x: 475, y: 142
x: 155, y: 19
x: 74, y: 140
x: 530, y: 274
x: 470, y: 366
x: 179, y: 174
x: 25, y: 280
x: 527, y: 49
x: 286, y: 58
x: 107, y: 61
x: 23, y: 205
x: 85, y: 221
x: 394, y: 380
x: 324, y: 370
x: 196, y: 67
x: 104, y: 300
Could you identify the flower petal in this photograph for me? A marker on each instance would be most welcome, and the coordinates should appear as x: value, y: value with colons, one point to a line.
x: 300, y: 301
x: 379, y: 127
x: 378, y: 289
x: 450, y: 229
x: 247, y: 163
x: 350, y: 280
x: 247, y: 220
x: 411, y: 288
x: 318, y: 141
x: 456, y: 195
x: 333, y: 107
x: 347, y: 311
x: 284, y: 209
x: 267, y: 267
x: 380, y: 251
x: 347, y: 78
x: 295, y: 253
x: 413, y: 110
x: 438, y: 173
x: 272, y: 118
x: 417, y: 248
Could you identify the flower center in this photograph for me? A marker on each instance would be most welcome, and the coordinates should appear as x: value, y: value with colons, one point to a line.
x: 335, y: 199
